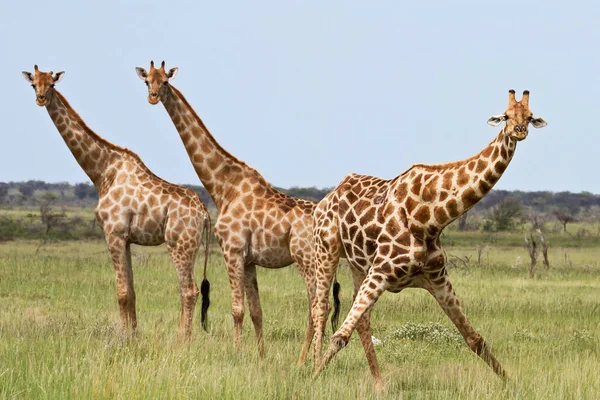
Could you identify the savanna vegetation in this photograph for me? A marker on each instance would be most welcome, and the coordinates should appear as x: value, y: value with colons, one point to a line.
x: 59, y: 333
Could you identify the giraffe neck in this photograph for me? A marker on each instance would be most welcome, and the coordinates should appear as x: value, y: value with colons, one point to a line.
x: 213, y: 164
x: 92, y: 152
x: 439, y: 194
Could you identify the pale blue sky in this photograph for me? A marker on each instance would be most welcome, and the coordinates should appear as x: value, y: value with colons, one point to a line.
x: 309, y: 91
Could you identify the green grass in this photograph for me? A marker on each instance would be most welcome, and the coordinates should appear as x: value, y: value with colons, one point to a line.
x: 59, y: 334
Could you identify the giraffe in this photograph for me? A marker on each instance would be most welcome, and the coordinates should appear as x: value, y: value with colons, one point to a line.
x: 257, y: 224
x: 134, y: 206
x: 390, y: 232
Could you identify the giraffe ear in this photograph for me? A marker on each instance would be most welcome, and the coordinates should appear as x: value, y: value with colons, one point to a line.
x: 538, y: 122
x: 496, y: 119
x: 28, y: 76
x: 58, y: 76
x: 172, y: 72
x: 141, y: 72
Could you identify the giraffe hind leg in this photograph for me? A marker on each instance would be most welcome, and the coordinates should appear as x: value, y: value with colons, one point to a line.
x: 235, y: 273
x: 251, y: 288
x: 370, y: 290
x: 183, y: 257
x: 308, y: 276
x: 120, y: 253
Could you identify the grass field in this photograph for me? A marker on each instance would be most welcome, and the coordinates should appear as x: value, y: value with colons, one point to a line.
x: 59, y: 335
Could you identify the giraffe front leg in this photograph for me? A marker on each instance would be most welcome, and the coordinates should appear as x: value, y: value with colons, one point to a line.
x: 120, y: 253
x: 235, y: 272
x: 363, y: 327
x: 370, y: 290
x: 251, y: 287
x: 445, y: 296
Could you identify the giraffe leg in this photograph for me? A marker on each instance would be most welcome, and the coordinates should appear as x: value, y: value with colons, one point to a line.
x: 183, y: 258
x: 235, y: 272
x: 308, y: 274
x: 326, y: 257
x: 363, y: 327
x: 131, y: 309
x: 251, y: 287
x: 310, y: 329
x: 445, y: 296
x: 370, y: 290
x: 120, y: 253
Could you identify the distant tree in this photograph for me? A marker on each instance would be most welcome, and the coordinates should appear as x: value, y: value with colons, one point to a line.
x: 462, y: 222
x: 564, y: 216
x: 505, y: 212
x: 536, y: 218
x: 3, y: 192
x: 27, y: 189
x: 50, y: 218
x: 81, y: 190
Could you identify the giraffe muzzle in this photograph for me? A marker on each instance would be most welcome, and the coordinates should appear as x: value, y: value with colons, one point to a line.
x: 153, y: 98
x: 520, y: 132
x: 40, y: 100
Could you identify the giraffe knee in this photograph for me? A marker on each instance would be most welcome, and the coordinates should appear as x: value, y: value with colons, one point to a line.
x: 476, y: 343
x: 125, y: 297
x: 238, y: 315
x: 190, y: 297
x: 339, y: 340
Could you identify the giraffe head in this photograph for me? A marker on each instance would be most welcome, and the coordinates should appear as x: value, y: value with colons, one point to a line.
x: 43, y: 84
x: 518, y: 116
x: 157, y: 80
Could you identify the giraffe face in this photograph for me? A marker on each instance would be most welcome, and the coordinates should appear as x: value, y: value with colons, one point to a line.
x: 43, y: 84
x: 157, y: 80
x: 518, y: 116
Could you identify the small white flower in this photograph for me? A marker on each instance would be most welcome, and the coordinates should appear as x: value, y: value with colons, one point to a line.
x: 375, y: 340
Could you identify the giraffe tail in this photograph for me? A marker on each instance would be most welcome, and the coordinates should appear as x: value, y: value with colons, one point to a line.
x: 335, y: 317
x: 205, y: 286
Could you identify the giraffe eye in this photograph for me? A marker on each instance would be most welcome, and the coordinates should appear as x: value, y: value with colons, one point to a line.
x: 147, y: 83
x: 52, y: 85
x: 33, y: 86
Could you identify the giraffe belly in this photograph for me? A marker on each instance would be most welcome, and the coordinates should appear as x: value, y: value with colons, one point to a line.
x: 269, y: 251
x: 146, y: 231
x: 359, y: 257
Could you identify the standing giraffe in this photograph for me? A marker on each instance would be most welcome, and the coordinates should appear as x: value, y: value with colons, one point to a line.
x: 134, y: 205
x: 390, y: 232
x: 257, y: 224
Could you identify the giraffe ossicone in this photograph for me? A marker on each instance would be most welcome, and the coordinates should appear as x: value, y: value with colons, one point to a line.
x: 390, y: 230
x: 134, y: 205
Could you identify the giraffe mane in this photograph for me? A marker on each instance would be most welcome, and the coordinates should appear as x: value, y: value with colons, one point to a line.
x: 100, y: 139
x: 228, y: 154
x: 448, y: 165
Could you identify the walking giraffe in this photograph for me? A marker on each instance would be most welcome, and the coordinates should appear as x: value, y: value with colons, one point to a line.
x: 257, y: 224
x: 134, y: 205
x: 390, y: 232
